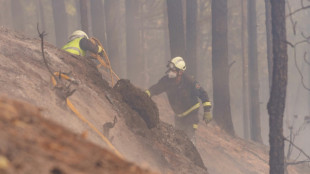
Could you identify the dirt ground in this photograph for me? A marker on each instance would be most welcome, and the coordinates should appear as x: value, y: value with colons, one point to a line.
x: 31, y: 144
x: 25, y: 76
x: 154, y: 147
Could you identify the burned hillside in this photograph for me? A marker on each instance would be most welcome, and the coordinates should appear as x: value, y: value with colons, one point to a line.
x: 25, y: 77
x: 32, y: 144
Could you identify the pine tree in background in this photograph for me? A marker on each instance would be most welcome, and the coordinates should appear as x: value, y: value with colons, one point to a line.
x: 98, y: 21
x: 191, y: 37
x: 133, y: 42
x: 176, y: 28
x: 84, y: 16
x: 60, y: 22
x: 254, y: 110
x: 276, y: 104
x: 18, y: 14
x: 220, y: 69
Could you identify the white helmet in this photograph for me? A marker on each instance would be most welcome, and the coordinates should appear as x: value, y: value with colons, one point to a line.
x: 177, y: 62
x: 77, y: 34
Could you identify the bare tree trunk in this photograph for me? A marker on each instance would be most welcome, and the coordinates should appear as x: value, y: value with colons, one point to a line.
x: 245, y: 84
x: 253, y: 74
x: 60, y: 22
x: 98, y: 21
x: 133, y: 42
x: 191, y: 36
x: 40, y: 15
x: 176, y: 28
x: 220, y: 69
x: 17, y: 11
x: 166, y: 32
x: 5, y: 11
x: 276, y: 104
x: 269, y: 40
x: 84, y: 16
x: 112, y: 16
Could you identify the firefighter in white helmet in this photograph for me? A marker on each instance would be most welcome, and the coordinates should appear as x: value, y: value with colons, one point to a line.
x: 79, y: 43
x: 183, y: 93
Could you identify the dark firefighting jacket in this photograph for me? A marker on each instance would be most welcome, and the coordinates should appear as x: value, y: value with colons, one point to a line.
x: 182, y: 96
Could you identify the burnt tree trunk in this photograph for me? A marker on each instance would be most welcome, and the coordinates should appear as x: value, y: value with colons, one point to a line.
x: 133, y: 41
x: 166, y: 33
x: 269, y: 40
x: 176, y: 28
x: 98, y: 21
x: 276, y: 104
x: 5, y: 10
x: 112, y: 17
x: 253, y: 74
x: 40, y: 15
x: 60, y: 22
x: 84, y: 15
x: 17, y: 11
x: 191, y: 37
x: 245, y: 96
x: 220, y: 69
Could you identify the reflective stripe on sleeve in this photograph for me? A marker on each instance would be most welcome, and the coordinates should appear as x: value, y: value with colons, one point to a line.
x: 206, y: 104
x: 196, y: 106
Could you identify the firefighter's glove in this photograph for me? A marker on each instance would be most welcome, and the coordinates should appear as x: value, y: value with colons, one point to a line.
x: 207, y: 117
x: 100, y: 50
x: 148, y: 93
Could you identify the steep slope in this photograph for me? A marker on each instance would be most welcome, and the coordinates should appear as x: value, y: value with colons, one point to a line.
x: 32, y: 144
x: 25, y: 76
x: 223, y: 153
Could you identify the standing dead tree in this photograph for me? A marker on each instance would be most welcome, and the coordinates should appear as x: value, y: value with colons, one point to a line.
x: 60, y: 22
x: 276, y: 103
x: 84, y: 15
x: 254, y: 107
x: 291, y: 138
x: 220, y: 67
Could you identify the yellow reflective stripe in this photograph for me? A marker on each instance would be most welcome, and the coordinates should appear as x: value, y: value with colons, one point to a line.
x: 206, y: 104
x: 189, y: 110
x: 195, y: 126
x: 148, y: 93
x: 68, y: 49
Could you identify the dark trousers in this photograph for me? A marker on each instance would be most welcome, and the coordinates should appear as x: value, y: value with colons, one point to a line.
x: 186, y: 123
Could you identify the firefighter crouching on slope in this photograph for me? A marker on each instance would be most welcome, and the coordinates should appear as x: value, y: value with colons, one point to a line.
x: 183, y: 93
x: 79, y: 43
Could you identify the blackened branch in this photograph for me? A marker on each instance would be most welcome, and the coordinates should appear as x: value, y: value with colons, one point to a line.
x: 41, y: 35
